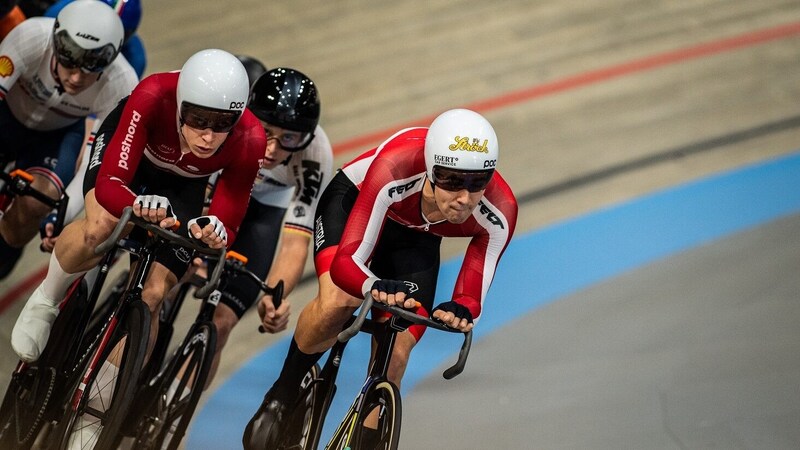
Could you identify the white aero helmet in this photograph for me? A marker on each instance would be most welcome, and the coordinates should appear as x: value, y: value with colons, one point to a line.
x: 461, y: 151
x: 88, y: 35
x: 212, y: 90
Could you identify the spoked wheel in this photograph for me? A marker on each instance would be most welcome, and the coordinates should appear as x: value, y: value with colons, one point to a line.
x: 304, y: 425
x: 382, y: 402
x: 106, y: 390
x: 173, y: 397
x: 34, y: 389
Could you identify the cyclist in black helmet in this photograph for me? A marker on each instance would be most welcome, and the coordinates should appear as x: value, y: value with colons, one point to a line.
x: 254, y: 67
x: 296, y: 167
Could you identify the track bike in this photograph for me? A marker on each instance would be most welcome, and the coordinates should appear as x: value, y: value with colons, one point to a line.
x: 85, y: 378
x: 378, y: 400
x: 168, y: 399
x: 30, y: 390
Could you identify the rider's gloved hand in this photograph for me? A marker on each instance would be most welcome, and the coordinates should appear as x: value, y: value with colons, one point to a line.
x: 208, y: 229
x: 47, y: 232
x: 454, y: 315
x: 393, y: 292
x: 155, y: 209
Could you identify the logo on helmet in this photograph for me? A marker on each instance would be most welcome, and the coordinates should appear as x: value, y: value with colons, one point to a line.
x: 87, y: 36
x: 489, y: 163
x: 440, y: 160
x: 462, y: 143
x: 236, y: 105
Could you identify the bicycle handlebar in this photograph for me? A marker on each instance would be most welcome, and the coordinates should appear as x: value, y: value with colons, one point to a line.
x: 414, y: 318
x: 167, y: 235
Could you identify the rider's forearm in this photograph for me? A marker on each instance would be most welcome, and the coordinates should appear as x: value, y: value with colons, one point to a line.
x: 290, y: 261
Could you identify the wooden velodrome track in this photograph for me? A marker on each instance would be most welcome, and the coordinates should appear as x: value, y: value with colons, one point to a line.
x: 594, y: 102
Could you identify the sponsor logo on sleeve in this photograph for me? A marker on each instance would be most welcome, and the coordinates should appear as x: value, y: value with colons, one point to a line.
x: 312, y: 181
x: 490, y: 215
x: 319, y: 234
x: 125, y: 151
x: 399, y: 189
x: 97, y: 151
x: 6, y: 66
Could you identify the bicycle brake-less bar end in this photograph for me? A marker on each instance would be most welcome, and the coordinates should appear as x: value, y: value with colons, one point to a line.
x: 352, y: 330
x: 106, y: 245
x: 458, y: 367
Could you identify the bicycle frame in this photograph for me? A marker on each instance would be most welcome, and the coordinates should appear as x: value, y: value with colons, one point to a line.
x: 385, y: 334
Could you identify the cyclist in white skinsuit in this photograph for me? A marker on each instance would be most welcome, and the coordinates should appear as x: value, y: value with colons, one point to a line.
x: 53, y: 74
x: 296, y: 167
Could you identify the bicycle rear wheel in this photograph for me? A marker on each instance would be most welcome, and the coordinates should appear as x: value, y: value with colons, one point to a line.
x: 106, y: 390
x: 173, y: 397
x: 382, y: 399
x: 33, y: 389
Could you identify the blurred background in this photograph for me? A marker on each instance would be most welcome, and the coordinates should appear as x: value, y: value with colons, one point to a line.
x: 649, y: 299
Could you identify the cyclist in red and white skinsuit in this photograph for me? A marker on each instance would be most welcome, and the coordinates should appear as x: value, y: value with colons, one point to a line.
x: 378, y: 230
x: 155, y: 152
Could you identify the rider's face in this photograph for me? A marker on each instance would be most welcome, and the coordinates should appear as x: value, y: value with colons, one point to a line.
x: 202, y: 143
x: 75, y: 80
x: 456, y: 206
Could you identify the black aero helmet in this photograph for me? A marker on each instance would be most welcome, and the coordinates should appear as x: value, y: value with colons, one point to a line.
x: 253, y: 67
x: 287, y: 99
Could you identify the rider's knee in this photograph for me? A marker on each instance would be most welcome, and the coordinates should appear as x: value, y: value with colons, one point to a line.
x: 154, y: 291
x: 97, y: 230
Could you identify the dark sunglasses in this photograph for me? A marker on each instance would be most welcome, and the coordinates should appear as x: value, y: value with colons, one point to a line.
x: 455, y: 180
x: 201, y: 117
x: 70, y: 55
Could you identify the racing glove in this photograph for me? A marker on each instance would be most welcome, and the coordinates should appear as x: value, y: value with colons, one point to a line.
x: 155, y: 202
x: 391, y: 286
x: 202, y: 221
x: 459, y: 310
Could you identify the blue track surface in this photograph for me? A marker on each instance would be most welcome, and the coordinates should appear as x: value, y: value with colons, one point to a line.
x: 540, y: 267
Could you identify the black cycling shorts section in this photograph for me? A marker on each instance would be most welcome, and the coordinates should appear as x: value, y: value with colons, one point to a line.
x: 257, y: 239
x: 402, y: 253
x: 186, y: 195
x: 334, y: 207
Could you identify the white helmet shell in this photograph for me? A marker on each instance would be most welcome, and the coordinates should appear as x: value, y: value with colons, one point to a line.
x: 90, y: 25
x: 460, y: 139
x: 214, y: 79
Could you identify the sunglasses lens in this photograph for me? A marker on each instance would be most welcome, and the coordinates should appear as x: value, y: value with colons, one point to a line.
x: 200, y: 118
x: 456, y: 180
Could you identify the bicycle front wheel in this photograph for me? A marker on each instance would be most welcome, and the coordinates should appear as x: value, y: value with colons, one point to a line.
x: 104, y: 395
x: 378, y: 425
x: 304, y: 424
x: 176, y: 391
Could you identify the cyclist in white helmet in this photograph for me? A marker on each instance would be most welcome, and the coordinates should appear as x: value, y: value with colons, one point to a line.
x: 53, y: 74
x: 378, y: 229
x: 165, y: 139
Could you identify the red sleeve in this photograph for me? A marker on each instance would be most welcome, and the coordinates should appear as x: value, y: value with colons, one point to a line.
x: 235, y: 183
x: 126, y: 147
x: 496, y: 214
